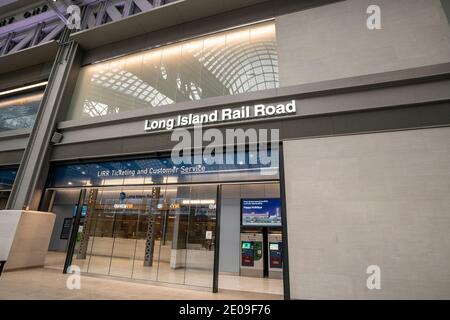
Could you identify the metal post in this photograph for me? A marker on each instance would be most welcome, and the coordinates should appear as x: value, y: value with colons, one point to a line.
x: 32, y: 173
x: 150, y: 242
x: 88, y: 219
x: 284, y: 235
x: 2, y: 264
x: 74, y: 233
x: 215, y: 287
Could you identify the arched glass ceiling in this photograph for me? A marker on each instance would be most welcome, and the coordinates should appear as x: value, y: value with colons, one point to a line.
x: 231, y: 62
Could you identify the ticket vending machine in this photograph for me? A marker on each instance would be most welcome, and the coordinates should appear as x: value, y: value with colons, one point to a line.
x: 274, y: 247
x: 251, y: 259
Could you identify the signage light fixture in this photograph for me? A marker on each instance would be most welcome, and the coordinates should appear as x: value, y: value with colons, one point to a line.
x: 31, y: 86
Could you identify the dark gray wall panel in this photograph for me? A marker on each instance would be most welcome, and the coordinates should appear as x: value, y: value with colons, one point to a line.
x: 14, y: 139
x: 10, y: 157
x: 25, y: 76
x: 29, y: 57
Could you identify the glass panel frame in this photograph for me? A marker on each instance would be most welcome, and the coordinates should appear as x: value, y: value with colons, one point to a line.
x: 234, y: 61
x: 145, y: 265
x: 172, y: 256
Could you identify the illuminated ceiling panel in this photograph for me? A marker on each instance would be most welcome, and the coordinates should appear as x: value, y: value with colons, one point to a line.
x: 232, y: 62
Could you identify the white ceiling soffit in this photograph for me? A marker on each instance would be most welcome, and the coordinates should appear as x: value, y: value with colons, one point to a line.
x: 158, y: 18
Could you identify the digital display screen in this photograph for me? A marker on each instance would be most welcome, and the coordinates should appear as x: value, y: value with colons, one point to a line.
x: 261, y: 212
x: 83, y: 210
x: 273, y: 246
x: 246, y: 245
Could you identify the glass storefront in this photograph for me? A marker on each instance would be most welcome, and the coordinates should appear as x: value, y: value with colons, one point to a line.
x: 19, y: 111
x: 156, y: 234
x: 226, y: 63
x: 143, y: 219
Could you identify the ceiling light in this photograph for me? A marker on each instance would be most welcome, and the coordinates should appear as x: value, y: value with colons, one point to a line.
x: 31, y: 86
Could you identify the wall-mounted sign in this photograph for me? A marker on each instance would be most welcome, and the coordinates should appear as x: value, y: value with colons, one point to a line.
x: 24, y: 15
x: 222, y: 115
x: 156, y: 171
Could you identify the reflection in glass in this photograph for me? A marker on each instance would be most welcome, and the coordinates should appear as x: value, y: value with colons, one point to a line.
x: 231, y: 62
x: 125, y: 232
x: 172, y: 253
x: 19, y: 111
x: 160, y: 233
x: 200, y: 242
x: 146, y: 258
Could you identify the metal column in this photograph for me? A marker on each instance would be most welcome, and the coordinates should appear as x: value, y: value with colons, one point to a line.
x: 32, y: 173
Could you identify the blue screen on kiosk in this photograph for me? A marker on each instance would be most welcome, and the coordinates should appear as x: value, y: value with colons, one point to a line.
x: 83, y: 210
x: 261, y: 212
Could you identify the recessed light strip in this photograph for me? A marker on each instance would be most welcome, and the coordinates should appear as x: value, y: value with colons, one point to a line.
x: 31, y: 86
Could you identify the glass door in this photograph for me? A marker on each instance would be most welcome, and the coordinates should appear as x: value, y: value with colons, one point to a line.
x: 150, y: 223
x: 201, y: 236
x: 173, y: 234
x: 186, y: 248
x: 176, y: 238
x: 112, y: 231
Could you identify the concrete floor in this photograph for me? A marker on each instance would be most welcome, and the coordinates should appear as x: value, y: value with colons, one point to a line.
x: 249, y: 284
x: 123, y: 268
x: 47, y: 283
